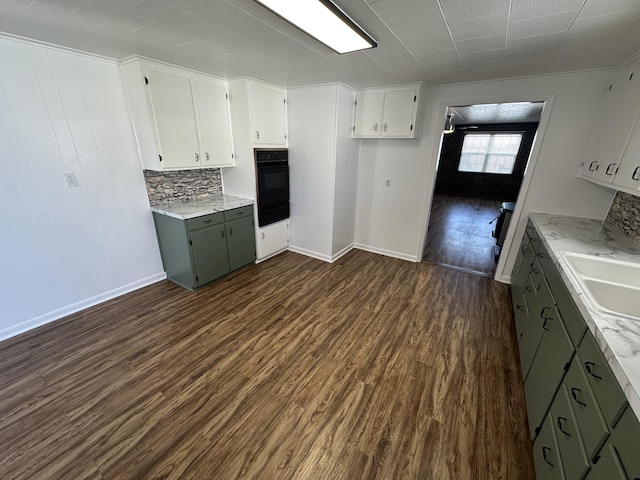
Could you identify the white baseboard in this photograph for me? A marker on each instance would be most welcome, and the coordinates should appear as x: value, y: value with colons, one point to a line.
x: 321, y: 256
x: 388, y: 253
x: 49, y: 317
x: 342, y: 252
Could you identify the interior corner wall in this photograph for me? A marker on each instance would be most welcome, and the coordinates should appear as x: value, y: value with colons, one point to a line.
x: 393, y: 219
x: 66, y: 248
x: 491, y: 186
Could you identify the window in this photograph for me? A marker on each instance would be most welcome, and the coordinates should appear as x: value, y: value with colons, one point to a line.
x: 489, y: 152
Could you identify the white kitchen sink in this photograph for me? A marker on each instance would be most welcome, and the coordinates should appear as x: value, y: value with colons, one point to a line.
x: 611, y: 286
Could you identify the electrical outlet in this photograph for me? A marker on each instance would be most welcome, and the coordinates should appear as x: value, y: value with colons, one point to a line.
x: 70, y: 179
x: 387, y: 183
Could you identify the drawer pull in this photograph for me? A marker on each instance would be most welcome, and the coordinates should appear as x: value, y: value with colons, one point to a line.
x: 207, y: 221
x: 545, y: 451
x: 588, y: 366
x: 574, y: 395
x: 520, y: 308
x: 542, y: 314
x: 561, y: 426
x: 230, y: 231
x: 535, y: 270
x: 528, y: 289
x: 544, y: 325
x: 221, y: 233
x: 635, y: 175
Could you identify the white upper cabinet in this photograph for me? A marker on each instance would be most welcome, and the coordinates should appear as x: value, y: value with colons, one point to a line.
x: 389, y: 113
x: 181, y: 118
x: 628, y: 175
x: 268, y: 114
x: 613, y: 128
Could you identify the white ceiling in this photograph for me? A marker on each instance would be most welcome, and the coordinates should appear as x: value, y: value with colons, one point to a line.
x: 516, y: 112
x: 436, y: 41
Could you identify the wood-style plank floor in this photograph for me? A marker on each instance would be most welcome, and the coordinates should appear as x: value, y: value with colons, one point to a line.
x: 459, y: 234
x: 368, y: 368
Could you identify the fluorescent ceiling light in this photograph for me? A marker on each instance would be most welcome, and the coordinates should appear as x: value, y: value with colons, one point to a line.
x: 324, y: 21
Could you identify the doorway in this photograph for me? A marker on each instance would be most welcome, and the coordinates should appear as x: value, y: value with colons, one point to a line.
x: 483, y: 157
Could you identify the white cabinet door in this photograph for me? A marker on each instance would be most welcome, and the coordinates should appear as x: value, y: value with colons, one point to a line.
x: 628, y: 174
x: 398, y: 114
x: 214, y: 128
x: 174, y: 116
x: 368, y: 116
x: 613, y: 127
x: 268, y: 115
x: 272, y: 239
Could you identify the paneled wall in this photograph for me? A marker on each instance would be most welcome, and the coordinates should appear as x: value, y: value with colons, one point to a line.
x: 65, y: 248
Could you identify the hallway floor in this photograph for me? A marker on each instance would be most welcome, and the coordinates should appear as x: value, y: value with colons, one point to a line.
x: 459, y: 234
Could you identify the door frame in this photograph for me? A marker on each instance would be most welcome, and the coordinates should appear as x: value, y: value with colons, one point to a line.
x: 517, y: 224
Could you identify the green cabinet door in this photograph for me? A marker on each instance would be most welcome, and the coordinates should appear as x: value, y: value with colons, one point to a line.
x: 608, y: 466
x: 574, y: 458
x: 541, y: 310
x: 241, y: 242
x: 547, y: 370
x: 546, y: 457
x: 520, y: 272
x: 209, y: 253
x: 626, y: 439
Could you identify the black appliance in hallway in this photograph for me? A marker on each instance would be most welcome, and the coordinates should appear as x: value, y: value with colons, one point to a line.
x: 272, y: 175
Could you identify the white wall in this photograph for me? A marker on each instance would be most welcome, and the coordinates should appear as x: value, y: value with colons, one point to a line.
x: 63, y: 249
x: 393, y: 220
x: 322, y: 168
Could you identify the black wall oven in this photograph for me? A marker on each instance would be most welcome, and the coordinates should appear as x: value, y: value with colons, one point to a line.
x: 272, y: 177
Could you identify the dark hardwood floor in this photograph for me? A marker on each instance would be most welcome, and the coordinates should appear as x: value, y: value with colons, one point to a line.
x: 459, y: 234
x: 368, y: 368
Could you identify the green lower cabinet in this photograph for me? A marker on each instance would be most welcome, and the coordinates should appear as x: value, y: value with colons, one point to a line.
x: 547, y: 370
x: 608, y: 466
x: 546, y: 455
x: 575, y: 463
x: 626, y: 440
x: 209, y: 250
x: 241, y: 242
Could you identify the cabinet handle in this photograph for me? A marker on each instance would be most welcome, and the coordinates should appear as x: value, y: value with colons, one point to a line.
x: 588, y: 366
x: 263, y: 235
x: 197, y: 157
x: 561, y: 426
x: 546, y: 450
x: 574, y: 395
x: 206, y: 156
x: 636, y: 174
x: 542, y: 315
x: 607, y: 171
x: 544, y: 325
x: 207, y: 221
x: 221, y: 233
x: 542, y: 255
x: 257, y: 135
x: 591, y: 169
x: 375, y: 127
x: 528, y: 289
x: 520, y: 308
x: 535, y: 270
x: 385, y: 127
x: 230, y: 231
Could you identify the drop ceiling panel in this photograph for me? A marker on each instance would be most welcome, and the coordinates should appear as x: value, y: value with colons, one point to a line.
x: 494, y: 42
x: 541, y: 25
x: 482, y: 57
x: 614, y: 24
x: 397, y: 12
x: 524, y: 9
x: 434, y: 58
x: 595, y: 8
x: 481, y: 27
x: 456, y: 11
x: 163, y: 14
x: 534, y: 43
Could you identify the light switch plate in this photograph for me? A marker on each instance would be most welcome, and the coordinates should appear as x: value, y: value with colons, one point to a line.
x: 70, y: 179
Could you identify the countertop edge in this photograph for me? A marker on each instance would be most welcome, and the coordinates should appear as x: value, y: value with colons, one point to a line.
x: 185, y: 210
x: 604, y: 327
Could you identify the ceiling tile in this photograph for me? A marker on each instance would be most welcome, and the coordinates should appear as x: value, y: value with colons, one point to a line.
x: 595, y: 8
x: 182, y: 4
x: 456, y: 11
x: 434, y: 58
x: 534, y: 43
x: 614, y: 23
x: 396, y: 12
x: 494, y: 42
x: 164, y: 14
x: 481, y: 27
x: 482, y: 57
x: 524, y: 9
x: 418, y: 43
x: 541, y: 25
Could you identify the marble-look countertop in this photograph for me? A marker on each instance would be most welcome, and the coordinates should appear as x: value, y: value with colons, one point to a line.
x: 202, y: 206
x: 617, y: 336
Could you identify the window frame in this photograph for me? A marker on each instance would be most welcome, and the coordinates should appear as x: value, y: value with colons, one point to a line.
x: 487, y: 154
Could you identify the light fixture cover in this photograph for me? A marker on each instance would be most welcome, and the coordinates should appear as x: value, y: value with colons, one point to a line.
x: 323, y: 20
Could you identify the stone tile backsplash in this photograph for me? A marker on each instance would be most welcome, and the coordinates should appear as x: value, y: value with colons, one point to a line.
x: 182, y: 184
x: 625, y: 214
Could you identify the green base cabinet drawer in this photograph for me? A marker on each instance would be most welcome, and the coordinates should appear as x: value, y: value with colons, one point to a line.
x: 546, y: 455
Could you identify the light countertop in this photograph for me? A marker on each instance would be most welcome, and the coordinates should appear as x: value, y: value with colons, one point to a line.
x: 201, y: 206
x: 618, y: 337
